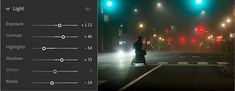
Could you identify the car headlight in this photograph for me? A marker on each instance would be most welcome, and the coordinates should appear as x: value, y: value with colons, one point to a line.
x: 132, y: 52
x: 120, y: 53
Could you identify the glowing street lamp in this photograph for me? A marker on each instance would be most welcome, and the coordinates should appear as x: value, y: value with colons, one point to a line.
x: 228, y: 20
x: 135, y: 10
x: 154, y: 35
x: 223, y: 25
x: 160, y: 38
x: 141, y: 25
x: 203, y: 12
x: 158, y: 5
x: 210, y: 37
x: 121, y: 25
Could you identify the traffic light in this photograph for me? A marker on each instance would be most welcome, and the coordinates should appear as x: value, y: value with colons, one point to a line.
x: 219, y: 38
x: 201, y: 29
x: 193, y: 40
x: 169, y: 40
x: 109, y: 6
x: 198, y: 2
x: 182, y: 40
x: 166, y: 30
x: 199, y: 5
x: 109, y: 3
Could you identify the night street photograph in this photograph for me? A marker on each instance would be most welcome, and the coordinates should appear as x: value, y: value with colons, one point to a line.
x: 166, y: 45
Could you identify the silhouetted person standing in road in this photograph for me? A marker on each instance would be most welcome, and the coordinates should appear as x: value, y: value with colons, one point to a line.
x: 139, y: 53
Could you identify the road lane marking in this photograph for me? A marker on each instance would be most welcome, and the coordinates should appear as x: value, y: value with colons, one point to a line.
x: 210, y: 56
x: 105, y: 67
x: 139, y: 65
x: 182, y: 56
x: 196, y: 56
x: 182, y: 62
x: 223, y: 56
x: 162, y: 63
x: 222, y: 62
x: 194, y: 65
x: 104, y: 64
x: 137, y: 79
x: 202, y: 62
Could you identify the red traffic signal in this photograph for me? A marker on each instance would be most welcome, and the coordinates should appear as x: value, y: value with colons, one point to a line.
x: 182, y: 40
x: 201, y: 29
x: 193, y: 40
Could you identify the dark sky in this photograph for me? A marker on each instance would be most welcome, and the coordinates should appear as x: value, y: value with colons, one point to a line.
x: 180, y: 13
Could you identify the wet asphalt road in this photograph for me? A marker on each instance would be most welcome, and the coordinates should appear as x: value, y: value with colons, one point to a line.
x: 166, y: 72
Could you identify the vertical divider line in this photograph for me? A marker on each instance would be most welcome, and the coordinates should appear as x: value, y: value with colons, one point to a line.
x: 1, y: 46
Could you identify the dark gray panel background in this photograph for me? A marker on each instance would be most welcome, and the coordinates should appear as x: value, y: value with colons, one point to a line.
x: 50, y: 12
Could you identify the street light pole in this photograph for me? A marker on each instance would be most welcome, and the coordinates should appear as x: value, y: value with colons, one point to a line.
x: 228, y: 20
x: 227, y: 32
x: 141, y: 26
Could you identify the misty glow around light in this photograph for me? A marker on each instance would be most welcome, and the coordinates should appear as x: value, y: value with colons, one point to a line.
x: 121, y: 25
x: 198, y: 1
x: 203, y: 12
x: 120, y: 53
x: 132, y: 52
x: 159, y: 4
x: 198, y: 5
x: 222, y: 25
x: 160, y: 38
x: 135, y: 10
x: 209, y: 37
x: 141, y: 25
x: 154, y: 35
x: 109, y: 3
x: 121, y: 63
x: 228, y: 20
x: 110, y: 6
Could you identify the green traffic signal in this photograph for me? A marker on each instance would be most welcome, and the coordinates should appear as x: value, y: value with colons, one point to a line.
x: 109, y: 3
x: 109, y: 6
x: 198, y: 2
